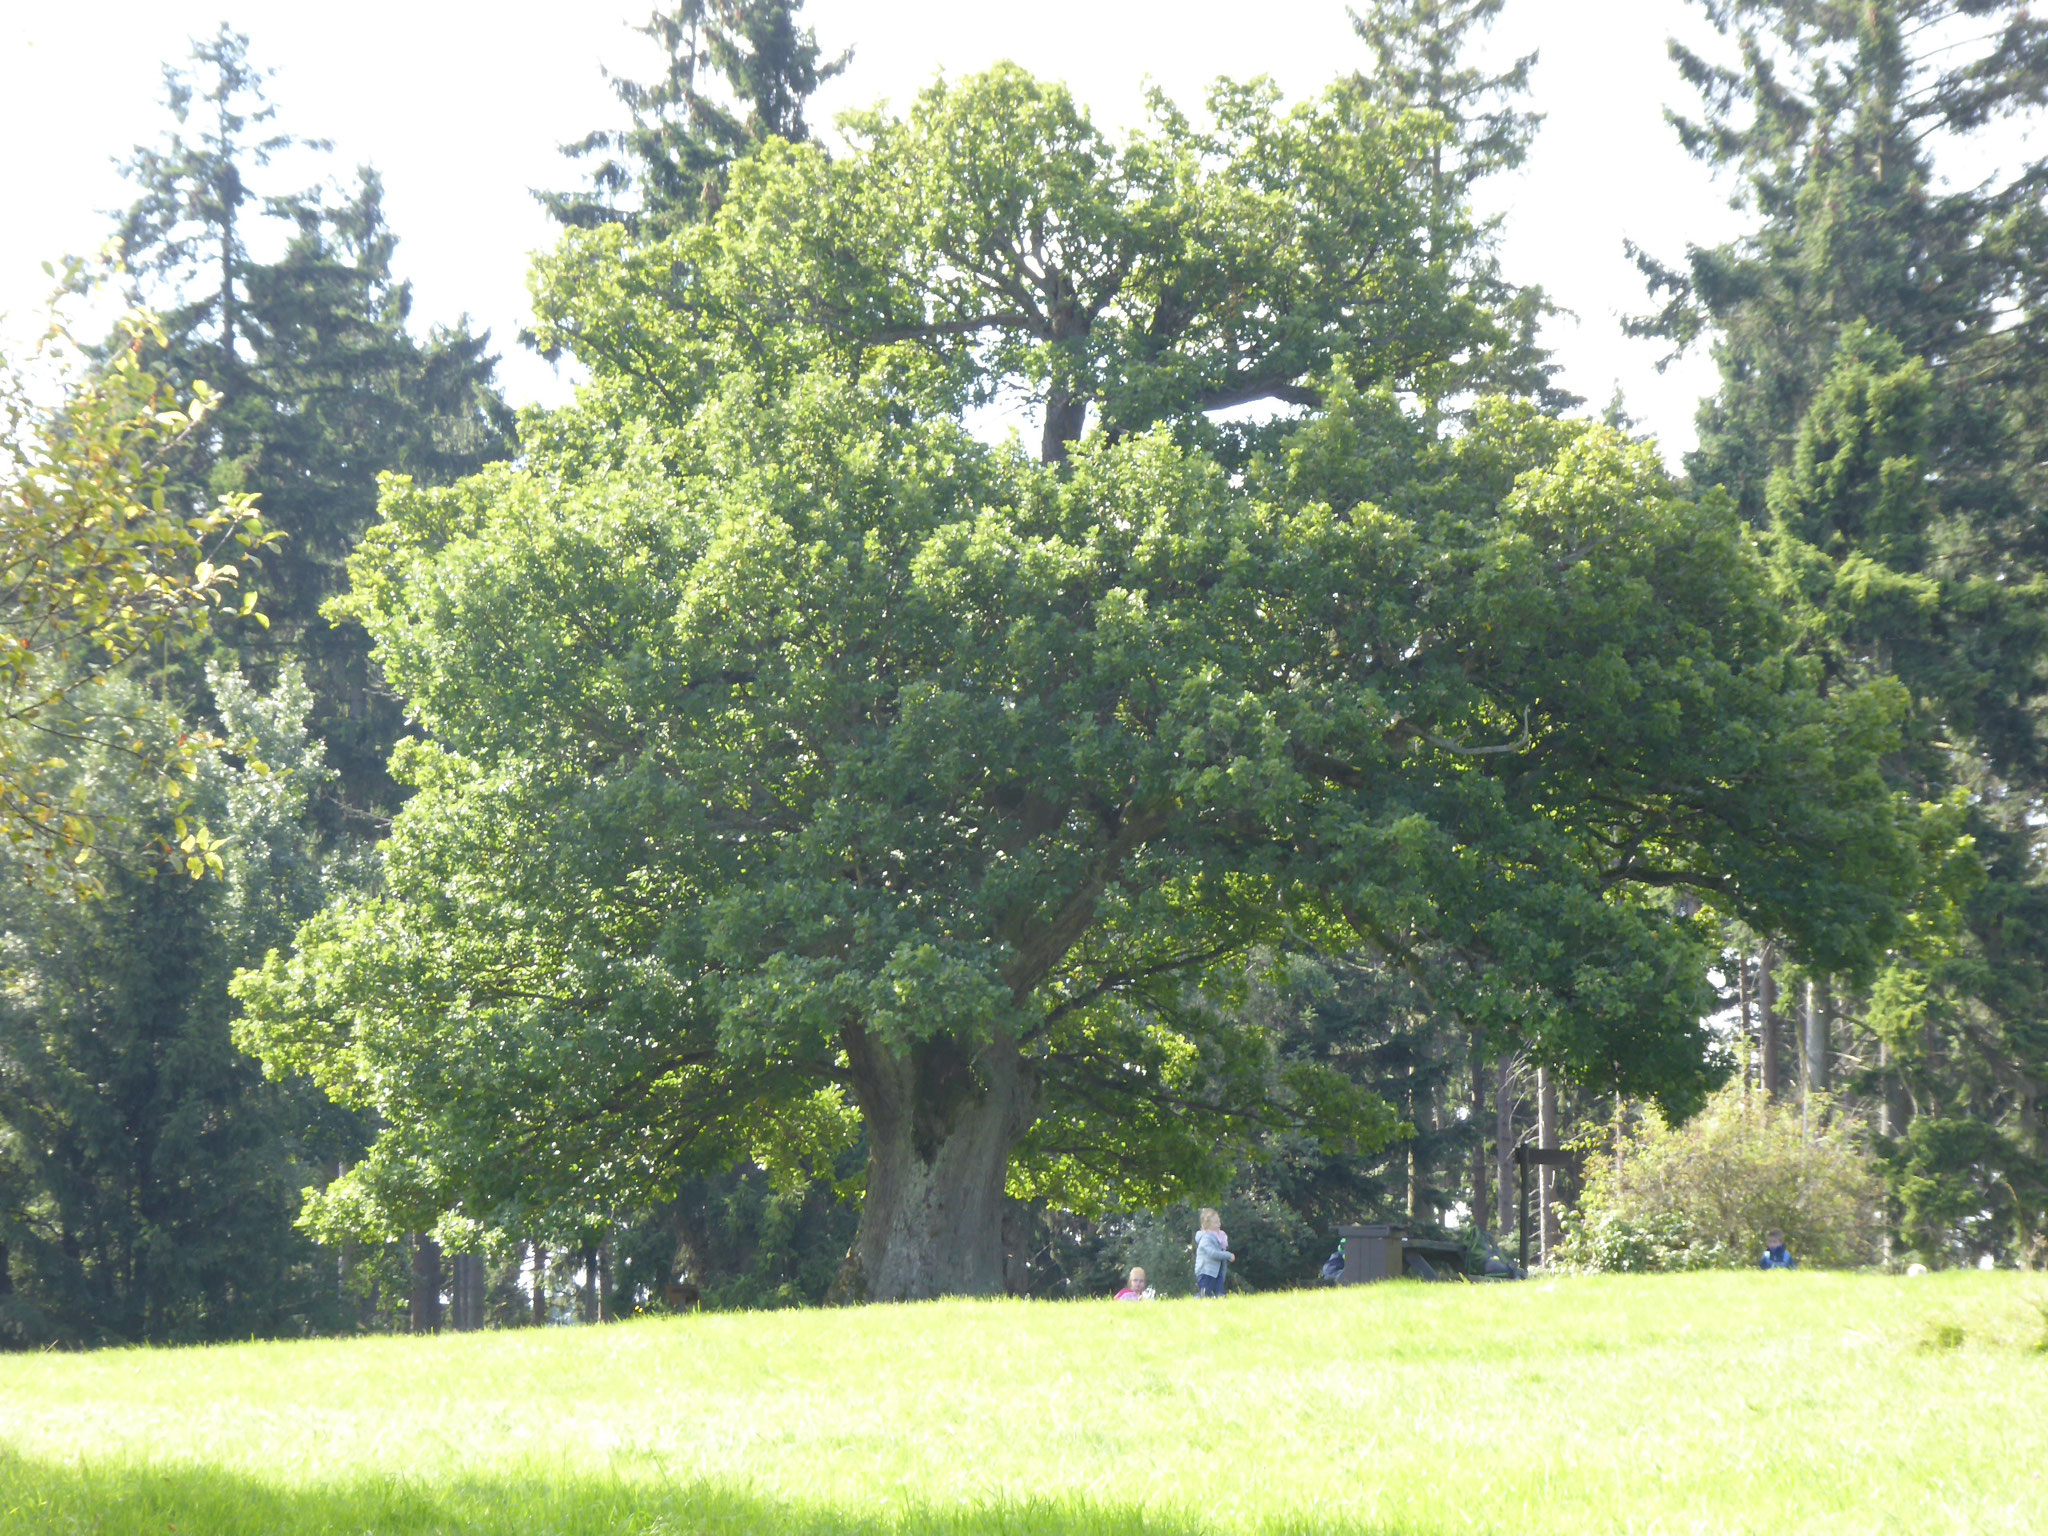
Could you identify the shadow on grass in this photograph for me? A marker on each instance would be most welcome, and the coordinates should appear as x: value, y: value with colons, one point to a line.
x: 115, y: 1499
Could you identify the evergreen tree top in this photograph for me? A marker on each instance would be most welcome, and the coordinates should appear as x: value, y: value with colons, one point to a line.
x: 1422, y: 58
x: 668, y: 166
x: 186, y: 228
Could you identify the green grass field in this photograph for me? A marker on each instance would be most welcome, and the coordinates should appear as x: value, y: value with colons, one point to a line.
x: 1708, y: 1403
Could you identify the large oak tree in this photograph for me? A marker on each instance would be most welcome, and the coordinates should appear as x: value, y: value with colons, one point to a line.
x: 800, y: 767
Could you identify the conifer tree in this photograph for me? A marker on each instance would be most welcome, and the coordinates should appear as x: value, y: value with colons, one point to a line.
x: 324, y: 383
x: 149, y: 1174
x: 668, y: 167
x: 185, y: 239
x: 1365, y: 1018
x: 1422, y: 59
x: 340, y: 389
x: 1879, y: 340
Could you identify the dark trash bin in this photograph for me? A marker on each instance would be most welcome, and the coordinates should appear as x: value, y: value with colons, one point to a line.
x: 1371, y: 1253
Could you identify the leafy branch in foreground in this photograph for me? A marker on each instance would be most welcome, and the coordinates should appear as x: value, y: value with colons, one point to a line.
x: 98, y: 574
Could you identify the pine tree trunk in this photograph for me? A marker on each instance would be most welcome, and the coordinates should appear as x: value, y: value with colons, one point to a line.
x: 1767, y: 1021
x: 466, y: 1292
x: 941, y: 1121
x: 425, y: 1312
x: 1820, y: 1050
x: 1482, y: 1195
x: 1504, y: 1147
x: 540, y: 1284
x: 588, y: 1300
x: 1742, y: 1000
x: 1889, y: 1125
x: 227, y: 293
x: 1813, y: 1057
x: 1412, y: 1202
x: 1546, y: 1177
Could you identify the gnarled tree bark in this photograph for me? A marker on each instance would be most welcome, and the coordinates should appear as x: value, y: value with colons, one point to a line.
x: 942, y: 1117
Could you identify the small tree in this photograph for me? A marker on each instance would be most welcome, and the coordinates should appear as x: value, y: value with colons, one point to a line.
x: 1704, y: 1193
x: 96, y: 575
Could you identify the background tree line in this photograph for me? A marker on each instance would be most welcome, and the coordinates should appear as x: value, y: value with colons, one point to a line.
x: 1376, y: 1047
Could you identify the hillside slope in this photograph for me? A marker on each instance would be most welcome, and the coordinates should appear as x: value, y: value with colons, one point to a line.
x: 1726, y: 1402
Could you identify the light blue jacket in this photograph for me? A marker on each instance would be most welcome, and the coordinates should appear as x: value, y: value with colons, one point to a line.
x: 1211, y: 1257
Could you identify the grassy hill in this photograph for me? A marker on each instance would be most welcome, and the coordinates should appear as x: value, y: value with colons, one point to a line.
x: 1725, y: 1402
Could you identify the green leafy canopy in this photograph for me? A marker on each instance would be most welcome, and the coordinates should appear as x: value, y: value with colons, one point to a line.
x: 779, y: 730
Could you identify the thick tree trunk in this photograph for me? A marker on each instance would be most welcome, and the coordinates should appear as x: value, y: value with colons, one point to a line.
x: 1065, y: 416
x: 425, y: 1316
x: 1767, y: 1021
x: 941, y: 1119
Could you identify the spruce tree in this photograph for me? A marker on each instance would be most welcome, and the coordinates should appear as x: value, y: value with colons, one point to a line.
x: 325, y: 384
x: 1878, y: 337
x: 149, y: 1173
x: 341, y: 389
x: 738, y: 72
x: 1363, y: 1017
x: 1422, y: 59
x: 185, y: 238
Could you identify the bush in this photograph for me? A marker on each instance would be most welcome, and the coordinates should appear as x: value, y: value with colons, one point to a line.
x: 1614, y: 1244
x: 1701, y: 1195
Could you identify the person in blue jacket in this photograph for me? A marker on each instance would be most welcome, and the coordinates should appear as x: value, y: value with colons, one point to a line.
x: 1212, y: 1255
x: 1776, y: 1254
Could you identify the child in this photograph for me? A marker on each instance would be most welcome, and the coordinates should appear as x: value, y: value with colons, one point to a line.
x: 1212, y: 1255
x: 1776, y: 1255
x: 1137, y: 1290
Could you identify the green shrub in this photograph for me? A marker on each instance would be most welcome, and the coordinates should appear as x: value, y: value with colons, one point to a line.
x: 1701, y: 1195
x: 1614, y: 1244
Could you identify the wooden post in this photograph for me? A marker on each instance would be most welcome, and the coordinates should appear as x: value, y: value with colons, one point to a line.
x: 1542, y: 1159
x: 1522, y: 1225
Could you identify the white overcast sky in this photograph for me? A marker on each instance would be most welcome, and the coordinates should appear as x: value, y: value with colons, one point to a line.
x: 462, y: 105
